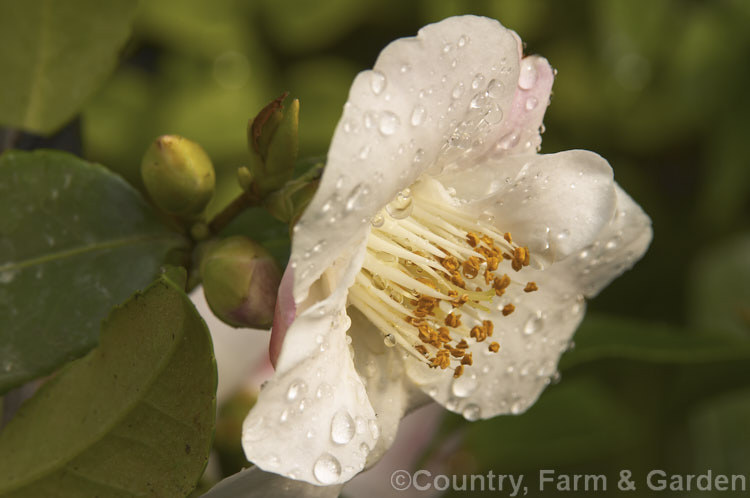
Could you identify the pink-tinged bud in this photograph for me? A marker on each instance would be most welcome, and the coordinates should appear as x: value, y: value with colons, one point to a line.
x: 240, y: 281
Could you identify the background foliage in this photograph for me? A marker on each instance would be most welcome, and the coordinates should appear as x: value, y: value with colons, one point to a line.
x: 659, y: 375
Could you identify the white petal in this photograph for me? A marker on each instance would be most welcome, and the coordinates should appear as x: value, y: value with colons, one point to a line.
x: 323, y: 310
x: 555, y: 204
x: 430, y: 101
x: 254, y: 483
x: 303, y: 425
x: 381, y: 369
x: 531, y: 341
x: 617, y: 247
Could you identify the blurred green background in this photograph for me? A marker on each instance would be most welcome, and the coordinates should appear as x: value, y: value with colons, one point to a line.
x: 660, y: 376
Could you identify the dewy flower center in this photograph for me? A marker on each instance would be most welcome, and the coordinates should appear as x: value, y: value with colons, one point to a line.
x: 431, y: 275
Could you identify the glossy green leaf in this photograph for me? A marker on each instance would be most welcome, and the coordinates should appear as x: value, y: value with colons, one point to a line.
x: 602, y: 337
x: 54, y: 55
x: 75, y: 240
x: 133, y: 418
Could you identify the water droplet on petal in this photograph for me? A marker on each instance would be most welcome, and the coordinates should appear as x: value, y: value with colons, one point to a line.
x: 508, y: 141
x: 401, y: 206
x: 417, y: 115
x: 478, y: 101
x: 369, y: 119
x: 356, y: 197
x: 472, y: 412
x: 342, y: 427
x: 495, y: 88
x: 465, y: 385
x: 418, y: 156
x: 377, y: 82
x: 516, y: 408
x: 364, y: 449
x: 374, y: 429
x: 477, y: 81
x: 527, y: 78
x: 377, y: 220
x: 296, y: 389
x: 324, y: 391
x: 531, y: 103
x: 458, y: 90
x: 303, y: 404
x: 327, y: 469
x: 494, y: 115
x: 533, y: 324
x: 462, y: 40
x: 389, y: 340
x: 364, y: 152
x: 388, y: 123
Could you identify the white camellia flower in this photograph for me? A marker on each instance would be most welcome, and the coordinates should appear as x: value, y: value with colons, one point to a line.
x: 442, y: 257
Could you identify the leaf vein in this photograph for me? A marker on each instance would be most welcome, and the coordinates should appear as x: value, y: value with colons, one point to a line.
x: 170, y: 416
x: 111, y: 244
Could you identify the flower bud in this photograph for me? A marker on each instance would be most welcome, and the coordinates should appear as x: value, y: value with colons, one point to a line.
x: 273, y: 142
x: 240, y: 281
x: 178, y: 175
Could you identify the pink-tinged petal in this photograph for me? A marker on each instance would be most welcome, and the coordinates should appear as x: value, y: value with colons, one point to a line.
x: 284, y: 314
x: 521, y: 131
x: 434, y: 101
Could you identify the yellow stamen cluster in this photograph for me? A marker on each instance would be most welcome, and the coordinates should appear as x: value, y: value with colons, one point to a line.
x: 420, y: 293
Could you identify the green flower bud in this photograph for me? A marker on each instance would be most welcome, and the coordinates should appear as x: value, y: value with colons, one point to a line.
x: 178, y: 175
x: 240, y: 281
x: 273, y: 141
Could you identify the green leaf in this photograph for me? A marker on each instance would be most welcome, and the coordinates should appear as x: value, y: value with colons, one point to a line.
x: 272, y: 234
x: 175, y: 274
x: 75, y: 240
x: 54, y: 55
x: 575, y: 421
x: 601, y: 337
x: 133, y: 418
